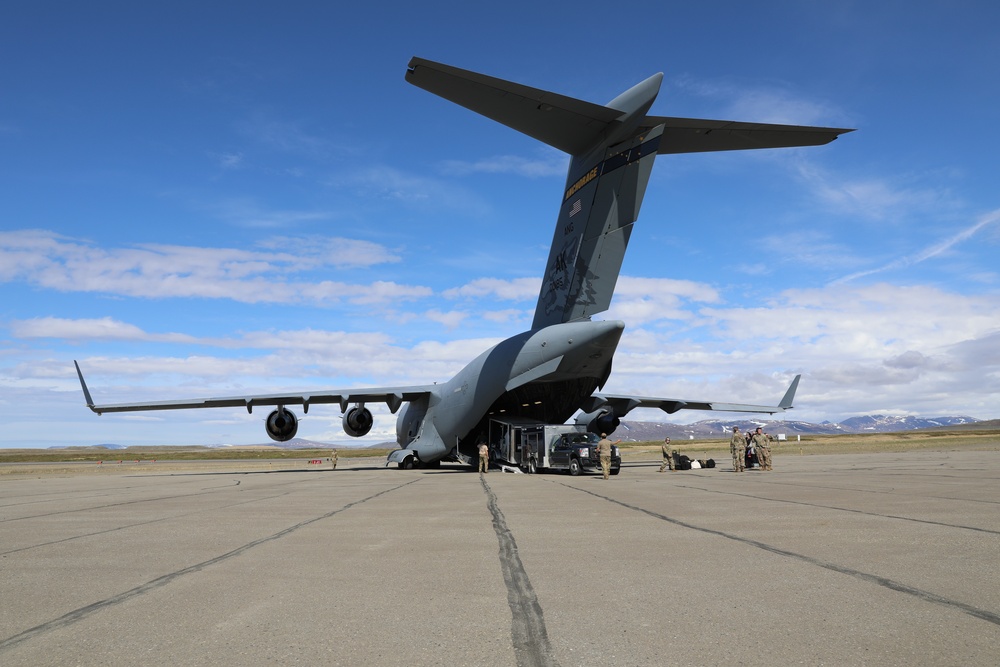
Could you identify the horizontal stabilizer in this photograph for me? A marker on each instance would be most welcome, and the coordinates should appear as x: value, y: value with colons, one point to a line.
x: 569, y: 124
x: 575, y: 126
x: 694, y: 135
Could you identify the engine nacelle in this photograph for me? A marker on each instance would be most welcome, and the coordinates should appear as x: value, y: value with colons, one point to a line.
x: 281, y: 425
x: 603, y: 421
x: 358, y: 421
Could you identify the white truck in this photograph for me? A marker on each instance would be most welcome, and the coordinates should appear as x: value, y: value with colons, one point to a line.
x: 533, y: 446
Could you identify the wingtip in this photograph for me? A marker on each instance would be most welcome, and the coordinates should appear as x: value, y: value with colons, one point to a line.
x: 786, y: 401
x: 83, y: 385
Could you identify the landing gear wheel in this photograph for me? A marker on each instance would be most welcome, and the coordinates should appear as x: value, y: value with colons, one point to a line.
x: 406, y: 464
x: 615, y: 471
x: 531, y: 467
x: 574, y: 467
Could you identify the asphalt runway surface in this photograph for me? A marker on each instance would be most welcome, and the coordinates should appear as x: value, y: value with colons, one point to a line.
x: 877, y: 559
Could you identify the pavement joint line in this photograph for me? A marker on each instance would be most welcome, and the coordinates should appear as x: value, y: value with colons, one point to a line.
x: 841, y: 509
x: 885, y: 582
x: 528, y: 632
x: 203, y: 492
x: 143, y: 523
x: 83, y: 612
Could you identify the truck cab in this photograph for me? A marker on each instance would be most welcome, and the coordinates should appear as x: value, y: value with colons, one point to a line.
x: 577, y: 452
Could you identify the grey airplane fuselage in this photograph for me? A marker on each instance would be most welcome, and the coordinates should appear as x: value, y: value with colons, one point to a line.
x: 542, y: 374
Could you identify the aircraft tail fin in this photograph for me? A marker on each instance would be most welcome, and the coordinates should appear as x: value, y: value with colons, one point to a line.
x: 612, y: 147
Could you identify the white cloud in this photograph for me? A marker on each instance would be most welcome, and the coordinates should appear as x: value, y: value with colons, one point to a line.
x: 762, y: 103
x: 552, y: 163
x: 228, y: 160
x: 638, y: 301
x: 287, y: 137
x: 104, y: 328
x: 379, y: 182
x: 518, y: 289
x: 876, y: 198
x: 245, y: 212
x: 450, y: 319
x: 166, y: 271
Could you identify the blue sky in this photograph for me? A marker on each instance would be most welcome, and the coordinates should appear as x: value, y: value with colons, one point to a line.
x: 201, y: 199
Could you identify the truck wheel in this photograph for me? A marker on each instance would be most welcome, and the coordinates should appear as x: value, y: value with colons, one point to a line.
x: 615, y: 471
x: 532, y: 467
x: 574, y: 467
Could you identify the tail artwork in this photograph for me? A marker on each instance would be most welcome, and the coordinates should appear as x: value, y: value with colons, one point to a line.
x: 612, y: 149
x: 554, y: 370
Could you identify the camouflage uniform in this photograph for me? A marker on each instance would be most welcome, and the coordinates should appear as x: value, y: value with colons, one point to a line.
x: 668, y: 455
x: 763, y: 448
x: 333, y: 459
x: 737, y: 447
x: 604, y: 449
x: 484, y: 457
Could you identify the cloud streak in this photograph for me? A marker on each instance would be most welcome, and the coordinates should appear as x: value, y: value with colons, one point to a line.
x: 934, y: 250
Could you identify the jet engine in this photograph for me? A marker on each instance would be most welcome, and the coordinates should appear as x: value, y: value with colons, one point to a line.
x: 281, y: 425
x: 357, y: 421
x: 602, y: 421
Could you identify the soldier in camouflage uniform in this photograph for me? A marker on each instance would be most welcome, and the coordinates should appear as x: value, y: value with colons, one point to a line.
x: 737, y: 447
x: 604, y: 449
x: 668, y: 455
x: 333, y: 459
x: 763, y: 447
x: 484, y: 457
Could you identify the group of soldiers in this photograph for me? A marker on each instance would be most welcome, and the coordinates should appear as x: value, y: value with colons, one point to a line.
x: 742, y: 447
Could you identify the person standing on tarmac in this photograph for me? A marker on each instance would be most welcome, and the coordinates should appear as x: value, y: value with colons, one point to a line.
x: 668, y: 455
x: 333, y: 459
x: 604, y: 449
x: 484, y: 457
x: 738, y: 448
x: 763, y: 448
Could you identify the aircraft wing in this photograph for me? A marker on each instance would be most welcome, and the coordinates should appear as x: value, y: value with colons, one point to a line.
x: 622, y: 405
x: 394, y: 397
x: 695, y: 135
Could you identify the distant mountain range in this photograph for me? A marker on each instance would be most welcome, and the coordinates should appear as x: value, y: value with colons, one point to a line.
x: 709, y: 428
x: 717, y: 428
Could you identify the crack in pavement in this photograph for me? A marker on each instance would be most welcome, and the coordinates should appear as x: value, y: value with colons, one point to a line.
x: 83, y: 612
x: 885, y: 582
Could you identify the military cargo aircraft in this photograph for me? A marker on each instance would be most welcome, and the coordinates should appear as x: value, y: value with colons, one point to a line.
x: 556, y: 369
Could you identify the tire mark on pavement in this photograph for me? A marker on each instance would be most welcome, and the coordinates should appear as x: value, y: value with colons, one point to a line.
x: 885, y: 582
x: 84, y: 612
x: 531, y: 639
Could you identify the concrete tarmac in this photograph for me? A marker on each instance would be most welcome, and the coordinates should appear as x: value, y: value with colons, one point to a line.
x: 879, y: 559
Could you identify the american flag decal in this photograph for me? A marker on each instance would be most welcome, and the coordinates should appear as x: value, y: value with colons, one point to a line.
x: 576, y: 208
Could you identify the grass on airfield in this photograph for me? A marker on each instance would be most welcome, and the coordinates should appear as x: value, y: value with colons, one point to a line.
x: 84, y: 454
